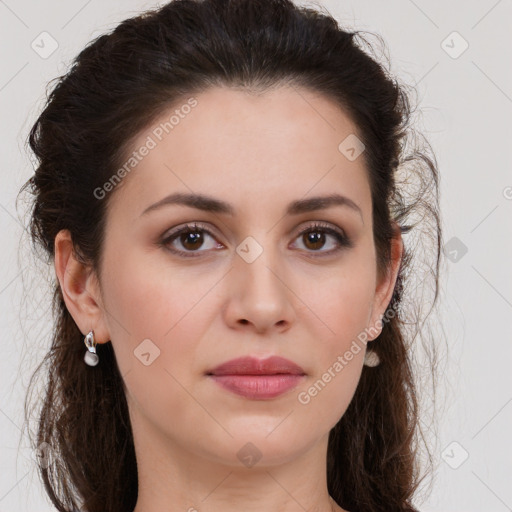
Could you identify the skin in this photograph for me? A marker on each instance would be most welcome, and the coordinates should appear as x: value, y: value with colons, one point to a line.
x: 259, y: 153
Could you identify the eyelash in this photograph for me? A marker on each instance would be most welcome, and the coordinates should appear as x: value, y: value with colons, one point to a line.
x: 343, y: 241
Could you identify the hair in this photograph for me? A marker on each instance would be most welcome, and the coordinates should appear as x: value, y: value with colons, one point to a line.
x: 116, y: 87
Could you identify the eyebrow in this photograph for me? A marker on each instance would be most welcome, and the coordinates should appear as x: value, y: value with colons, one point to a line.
x: 210, y: 204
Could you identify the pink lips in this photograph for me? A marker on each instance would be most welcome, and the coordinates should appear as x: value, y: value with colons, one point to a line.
x: 258, y: 379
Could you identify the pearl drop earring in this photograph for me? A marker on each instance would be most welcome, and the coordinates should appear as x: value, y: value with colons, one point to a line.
x: 371, y: 358
x: 90, y: 357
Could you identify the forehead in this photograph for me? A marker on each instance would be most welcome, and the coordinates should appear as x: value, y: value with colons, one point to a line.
x: 275, y: 146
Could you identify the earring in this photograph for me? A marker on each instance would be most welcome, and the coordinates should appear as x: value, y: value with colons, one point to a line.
x: 371, y: 358
x: 90, y: 357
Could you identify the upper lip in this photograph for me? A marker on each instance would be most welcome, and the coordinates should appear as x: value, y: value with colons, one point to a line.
x: 253, y: 366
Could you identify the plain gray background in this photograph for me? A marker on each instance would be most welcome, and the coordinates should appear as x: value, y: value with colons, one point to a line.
x: 465, y: 100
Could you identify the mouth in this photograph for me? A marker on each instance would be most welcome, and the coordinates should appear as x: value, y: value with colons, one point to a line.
x: 258, y: 379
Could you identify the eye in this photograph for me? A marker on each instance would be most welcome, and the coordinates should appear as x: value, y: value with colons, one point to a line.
x: 191, y: 237
x: 314, y: 237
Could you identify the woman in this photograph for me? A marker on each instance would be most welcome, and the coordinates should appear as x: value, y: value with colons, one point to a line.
x: 218, y: 190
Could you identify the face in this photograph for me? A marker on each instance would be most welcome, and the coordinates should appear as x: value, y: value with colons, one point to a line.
x: 268, y: 274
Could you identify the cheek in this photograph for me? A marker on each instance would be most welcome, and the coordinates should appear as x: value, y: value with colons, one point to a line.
x: 339, y: 361
x: 152, y: 301
x: 342, y: 307
x: 340, y: 301
x: 155, y: 323
x: 345, y: 308
x: 154, y: 311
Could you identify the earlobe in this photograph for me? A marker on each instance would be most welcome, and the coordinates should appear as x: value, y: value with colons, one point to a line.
x: 80, y: 288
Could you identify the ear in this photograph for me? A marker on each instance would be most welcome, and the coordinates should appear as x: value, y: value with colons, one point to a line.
x: 386, y: 285
x: 80, y: 289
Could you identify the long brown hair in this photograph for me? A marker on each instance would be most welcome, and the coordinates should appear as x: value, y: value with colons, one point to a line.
x: 115, y: 88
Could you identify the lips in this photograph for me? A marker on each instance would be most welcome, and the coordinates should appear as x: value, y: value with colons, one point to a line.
x: 258, y: 379
x: 252, y: 366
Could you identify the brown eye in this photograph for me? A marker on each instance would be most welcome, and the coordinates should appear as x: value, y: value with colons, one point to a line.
x: 191, y: 237
x: 317, y: 236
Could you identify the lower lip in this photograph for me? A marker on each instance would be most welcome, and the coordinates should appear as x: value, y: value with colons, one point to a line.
x: 258, y: 387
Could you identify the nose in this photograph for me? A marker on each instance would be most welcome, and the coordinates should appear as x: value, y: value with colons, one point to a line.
x: 260, y: 295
